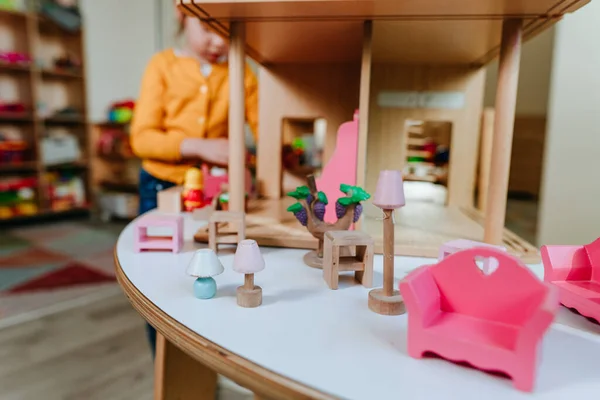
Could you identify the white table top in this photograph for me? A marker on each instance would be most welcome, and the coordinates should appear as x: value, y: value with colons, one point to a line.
x: 329, y: 340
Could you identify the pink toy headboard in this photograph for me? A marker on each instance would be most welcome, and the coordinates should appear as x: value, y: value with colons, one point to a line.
x: 341, y: 167
x: 510, y: 294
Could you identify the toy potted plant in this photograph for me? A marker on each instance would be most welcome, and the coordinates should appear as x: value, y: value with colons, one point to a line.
x: 309, y: 210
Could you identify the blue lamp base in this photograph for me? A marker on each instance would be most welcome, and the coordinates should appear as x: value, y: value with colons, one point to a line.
x: 205, y: 288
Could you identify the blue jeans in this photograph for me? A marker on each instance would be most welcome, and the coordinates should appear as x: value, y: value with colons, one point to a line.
x: 148, y: 190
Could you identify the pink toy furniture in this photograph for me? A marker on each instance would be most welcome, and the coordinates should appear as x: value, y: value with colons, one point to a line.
x: 575, y: 270
x: 212, y: 183
x: 495, y: 322
x: 341, y: 167
x: 173, y: 242
x: 453, y: 246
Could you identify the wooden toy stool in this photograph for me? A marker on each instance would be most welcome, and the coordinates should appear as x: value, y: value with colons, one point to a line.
x: 234, y: 219
x: 361, y: 264
x: 173, y: 242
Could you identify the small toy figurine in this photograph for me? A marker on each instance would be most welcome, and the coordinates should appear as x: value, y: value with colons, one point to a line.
x: 248, y: 261
x: 204, y: 265
x: 193, y: 196
x: 310, y: 212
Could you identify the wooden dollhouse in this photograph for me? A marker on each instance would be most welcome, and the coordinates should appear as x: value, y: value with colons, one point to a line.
x: 395, y: 61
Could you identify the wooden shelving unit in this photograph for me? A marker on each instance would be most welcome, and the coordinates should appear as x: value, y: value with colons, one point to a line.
x: 44, y: 90
x: 114, y: 174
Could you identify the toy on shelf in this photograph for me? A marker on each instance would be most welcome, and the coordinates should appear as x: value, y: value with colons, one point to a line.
x: 114, y: 144
x: 59, y: 147
x: 65, y: 191
x: 334, y: 263
x: 204, y: 265
x: 491, y: 322
x: 234, y: 231
x: 193, y: 195
x: 14, y: 108
x: 173, y: 243
x: 310, y: 212
x: 12, y: 148
x: 389, y: 196
x: 453, y: 246
x: 121, y: 112
x: 18, y: 197
x: 15, y: 58
x: 575, y: 271
x: 248, y: 260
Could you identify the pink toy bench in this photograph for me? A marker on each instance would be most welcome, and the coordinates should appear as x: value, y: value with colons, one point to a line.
x: 453, y: 246
x: 575, y: 270
x: 173, y: 243
x: 495, y: 322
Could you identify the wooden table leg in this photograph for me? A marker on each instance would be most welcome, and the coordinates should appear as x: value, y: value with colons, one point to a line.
x: 179, y: 376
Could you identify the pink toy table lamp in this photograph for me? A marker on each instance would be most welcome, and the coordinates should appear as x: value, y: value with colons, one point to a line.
x: 389, y: 196
x: 248, y: 260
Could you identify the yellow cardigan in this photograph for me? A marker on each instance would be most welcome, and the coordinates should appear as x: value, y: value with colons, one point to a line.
x: 176, y: 102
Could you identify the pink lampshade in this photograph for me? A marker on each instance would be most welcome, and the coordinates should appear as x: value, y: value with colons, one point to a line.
x: 248, y: 259
x: 389, y: 194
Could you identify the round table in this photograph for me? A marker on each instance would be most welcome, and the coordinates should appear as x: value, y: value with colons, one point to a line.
x: 307, y: 341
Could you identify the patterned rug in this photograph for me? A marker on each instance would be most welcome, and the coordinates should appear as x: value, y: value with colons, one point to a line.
x: 42, y: 266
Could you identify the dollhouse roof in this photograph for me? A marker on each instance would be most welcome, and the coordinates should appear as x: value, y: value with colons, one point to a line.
x: 417, y: 31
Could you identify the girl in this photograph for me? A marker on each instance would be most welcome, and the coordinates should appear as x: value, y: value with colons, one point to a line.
x: 181, y: 114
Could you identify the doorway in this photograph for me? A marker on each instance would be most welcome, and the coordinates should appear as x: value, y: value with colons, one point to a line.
x: 301, y: 150
x: 427, y: 153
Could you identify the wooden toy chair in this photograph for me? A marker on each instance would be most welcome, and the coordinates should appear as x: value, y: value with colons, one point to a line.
x: 495, y: 322
x: 334, y: 261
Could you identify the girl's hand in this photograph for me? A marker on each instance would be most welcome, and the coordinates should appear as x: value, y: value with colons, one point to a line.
x: 213, y: 151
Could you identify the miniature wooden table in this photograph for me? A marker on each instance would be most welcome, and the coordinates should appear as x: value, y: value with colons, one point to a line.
x: 307, y: 341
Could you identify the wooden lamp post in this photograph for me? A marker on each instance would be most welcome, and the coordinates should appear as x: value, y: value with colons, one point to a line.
x: 248, y: 260
x: 389, y: 196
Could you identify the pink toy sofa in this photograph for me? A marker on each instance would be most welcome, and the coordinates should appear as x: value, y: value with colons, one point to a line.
x: 494, y: 322
x: 575, y: 271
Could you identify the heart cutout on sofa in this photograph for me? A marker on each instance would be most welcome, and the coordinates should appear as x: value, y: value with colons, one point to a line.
x: 487, y: 265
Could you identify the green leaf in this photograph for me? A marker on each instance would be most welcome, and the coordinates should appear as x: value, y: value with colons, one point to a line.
x: 295, y: 207
x: 345, y: 188
x: 322, y: 198
x: 301, y: 192
x: 359, y: 195
x: 345, y: 201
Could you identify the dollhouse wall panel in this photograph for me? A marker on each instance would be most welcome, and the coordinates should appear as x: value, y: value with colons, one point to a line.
x: 386, y: 143
x: 327, y: 91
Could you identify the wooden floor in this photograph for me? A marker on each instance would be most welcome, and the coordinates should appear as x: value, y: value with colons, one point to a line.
x: 96, y: 352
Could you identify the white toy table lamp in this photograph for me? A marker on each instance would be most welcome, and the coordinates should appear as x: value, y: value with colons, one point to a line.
x: 389, y: 196
x: 204, y: 265
x: 248, y: 260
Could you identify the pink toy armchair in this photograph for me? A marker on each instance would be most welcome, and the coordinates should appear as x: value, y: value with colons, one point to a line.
x: 494, y: 322
x: 575, y: 270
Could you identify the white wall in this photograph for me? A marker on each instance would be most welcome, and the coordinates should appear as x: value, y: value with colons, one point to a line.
x: 536, y: 65
x: 569, y: 211
x: 120, y: 37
